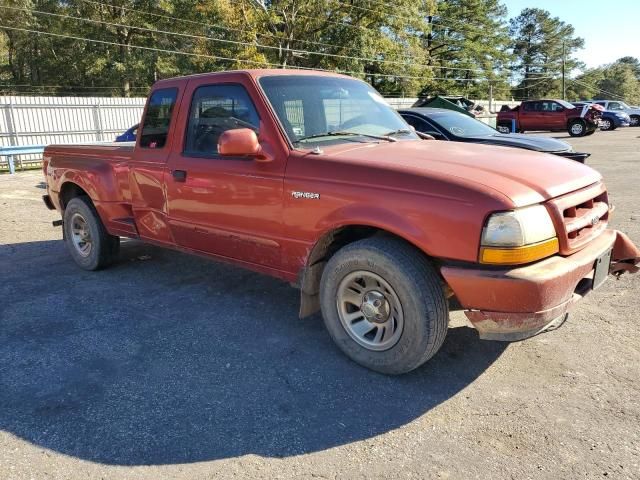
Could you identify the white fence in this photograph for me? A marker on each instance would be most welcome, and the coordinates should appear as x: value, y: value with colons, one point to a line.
x: 46, y: 120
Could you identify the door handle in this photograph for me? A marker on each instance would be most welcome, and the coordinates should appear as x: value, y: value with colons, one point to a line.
x: 179, y: 175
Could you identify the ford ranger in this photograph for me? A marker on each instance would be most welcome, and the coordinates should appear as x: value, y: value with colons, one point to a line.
x: 312, y: 178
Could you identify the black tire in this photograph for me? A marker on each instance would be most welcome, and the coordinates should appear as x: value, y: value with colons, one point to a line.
x: 590, y: 132
x: 607, y: 125
x: 415, y: 284
x: 103, y: 248
x: 577, y: 128
x: 635, y: 121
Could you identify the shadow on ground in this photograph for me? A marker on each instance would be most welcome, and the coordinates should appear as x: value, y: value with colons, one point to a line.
x: 166, y: 358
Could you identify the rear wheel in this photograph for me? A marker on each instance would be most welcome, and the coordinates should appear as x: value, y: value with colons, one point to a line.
x: 88, y: 242
x: 577, y: 128
x: 383, y: 305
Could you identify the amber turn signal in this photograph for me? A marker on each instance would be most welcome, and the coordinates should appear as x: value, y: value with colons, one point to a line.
x: 519, y: 255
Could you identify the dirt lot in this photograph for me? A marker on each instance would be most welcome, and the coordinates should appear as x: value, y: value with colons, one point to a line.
x: 170, y: 366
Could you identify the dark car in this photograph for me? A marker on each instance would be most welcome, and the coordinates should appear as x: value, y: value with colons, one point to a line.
x: 610, y: 119
x: 129, y: 135
x: 457, y: 127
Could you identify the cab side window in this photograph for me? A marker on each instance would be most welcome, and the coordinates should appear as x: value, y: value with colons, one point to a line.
x: 615, y: 106
x: 158, y: 118
x: 214, y: 110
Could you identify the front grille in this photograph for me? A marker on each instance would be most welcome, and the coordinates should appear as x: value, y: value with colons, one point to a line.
x: 579, y: 217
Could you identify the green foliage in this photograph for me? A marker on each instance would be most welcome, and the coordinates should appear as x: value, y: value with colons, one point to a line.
x: 540, y: 42
x: 402, y: 47
x: 619, y: 80
x: 458, y: 39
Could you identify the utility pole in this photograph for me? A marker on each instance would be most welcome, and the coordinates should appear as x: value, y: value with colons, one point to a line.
x: 564, y: 90
x: 490, y: 97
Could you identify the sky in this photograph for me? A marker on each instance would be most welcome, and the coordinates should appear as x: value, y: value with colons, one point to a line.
x: 610, y: 29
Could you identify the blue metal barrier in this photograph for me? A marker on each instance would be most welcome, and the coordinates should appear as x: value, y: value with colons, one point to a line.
x: 14, y: 151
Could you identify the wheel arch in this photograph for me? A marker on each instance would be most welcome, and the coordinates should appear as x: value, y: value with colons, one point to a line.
x: 70, y: 190
x: 326, y: 246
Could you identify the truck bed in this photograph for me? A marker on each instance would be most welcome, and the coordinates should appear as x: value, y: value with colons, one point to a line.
x: 68, y: 166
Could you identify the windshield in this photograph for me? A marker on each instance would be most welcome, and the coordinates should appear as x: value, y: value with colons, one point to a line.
x: 566, y: 104
x: 461, y: 125
x: 327, y: 110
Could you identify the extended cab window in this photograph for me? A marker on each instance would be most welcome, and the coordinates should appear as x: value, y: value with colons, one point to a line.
x: 214, y: 110
x: 158, y: 118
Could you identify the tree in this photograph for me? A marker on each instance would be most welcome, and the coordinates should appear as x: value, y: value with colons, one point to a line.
x: 633, y: 62
x: 540, y: 44
x: 370, y: 39
x: 457, y: 43
x: 617, y: 80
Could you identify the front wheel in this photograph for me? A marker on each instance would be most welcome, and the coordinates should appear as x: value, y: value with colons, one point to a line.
x: 383, y: 305
x: 577, y: 128
x: 88, y: 242
x: 607, y: 124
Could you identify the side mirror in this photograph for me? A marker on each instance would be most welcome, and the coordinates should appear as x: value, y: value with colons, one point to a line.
x: 242, y: 142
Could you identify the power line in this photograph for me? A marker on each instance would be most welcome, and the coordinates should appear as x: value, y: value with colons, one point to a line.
x: 280, y: 38
x: 210, y: 25
x: 216, y: 57
x: 236, y: 42
x: 613, y: 95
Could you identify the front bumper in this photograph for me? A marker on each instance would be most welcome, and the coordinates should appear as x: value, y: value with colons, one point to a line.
x: 511, y: 304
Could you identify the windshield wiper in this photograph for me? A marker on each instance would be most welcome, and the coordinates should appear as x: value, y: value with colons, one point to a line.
x: 339, y: 133
x: 400, y: 131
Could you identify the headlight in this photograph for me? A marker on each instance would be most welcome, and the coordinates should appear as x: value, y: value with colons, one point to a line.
x: 519, y: 236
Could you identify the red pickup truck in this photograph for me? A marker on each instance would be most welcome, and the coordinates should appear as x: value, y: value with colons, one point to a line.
x: 551, y: 115
x: 312, y: 178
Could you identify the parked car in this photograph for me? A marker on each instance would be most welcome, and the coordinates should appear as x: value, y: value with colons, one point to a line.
x: 129, y: 135
x: 457, y: 127
x: 610, y: 120
x: 618, y: 106
x: 311, y: 177
x: 550, y: 115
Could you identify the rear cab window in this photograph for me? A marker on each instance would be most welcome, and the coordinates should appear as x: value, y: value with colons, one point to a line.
x: 155, y: 127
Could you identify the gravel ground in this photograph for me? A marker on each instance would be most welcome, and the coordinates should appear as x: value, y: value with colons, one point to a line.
x: 170, y: 366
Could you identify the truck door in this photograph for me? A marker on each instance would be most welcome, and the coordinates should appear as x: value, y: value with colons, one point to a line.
x: 554, y: 115
x: 226, y: 206
x: 530, y: 117
x: 146, y: 168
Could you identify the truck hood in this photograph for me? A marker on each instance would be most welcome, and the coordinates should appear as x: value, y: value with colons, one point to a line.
x: 525, y: 177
